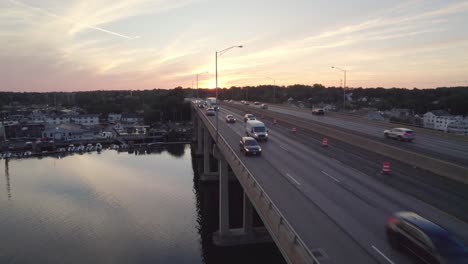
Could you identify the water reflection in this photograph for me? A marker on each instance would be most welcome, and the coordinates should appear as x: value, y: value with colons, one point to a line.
x: 114, y: 207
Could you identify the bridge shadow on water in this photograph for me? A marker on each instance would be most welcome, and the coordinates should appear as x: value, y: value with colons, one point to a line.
x: 207, y: 204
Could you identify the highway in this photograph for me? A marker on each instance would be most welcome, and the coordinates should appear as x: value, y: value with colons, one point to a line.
x: 443, y: 148
x: 333, y: 206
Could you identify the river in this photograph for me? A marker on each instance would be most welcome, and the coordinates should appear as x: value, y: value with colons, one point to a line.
x: 115, y: 207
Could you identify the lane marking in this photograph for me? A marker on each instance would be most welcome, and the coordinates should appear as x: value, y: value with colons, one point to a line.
x: 292, y: 178
x: 335, y: 179
x: 382, y: 254
x: 281, y: 146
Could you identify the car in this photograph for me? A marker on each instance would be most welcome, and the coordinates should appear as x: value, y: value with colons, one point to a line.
x: 402, y: 134
x: 424, y: 240
x: 264, y: 106
x: 249, y: 146
x: 210, y: 111
x: 256, y: 103
x: 318, y: 111
x: 200, y: 106
x: 230, y: 119
x: 249, y: 117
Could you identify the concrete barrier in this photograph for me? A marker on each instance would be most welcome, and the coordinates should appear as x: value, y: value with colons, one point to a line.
x: 288, y: 241
x: 439, y: 167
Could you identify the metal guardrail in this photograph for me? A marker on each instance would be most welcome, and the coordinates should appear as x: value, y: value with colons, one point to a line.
x: 293, y: 248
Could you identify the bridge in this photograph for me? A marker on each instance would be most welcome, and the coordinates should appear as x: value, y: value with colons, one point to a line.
x: 330, y: 205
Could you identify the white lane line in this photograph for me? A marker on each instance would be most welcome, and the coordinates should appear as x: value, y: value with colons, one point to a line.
x: 281, y: 146
x: 335, y: 179
x: 382, y: 254
x: 292, y: 178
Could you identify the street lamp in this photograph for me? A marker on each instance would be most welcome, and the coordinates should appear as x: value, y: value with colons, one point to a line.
x: 218, y: 54
x: 198, y: 96
x: 344, y: 88
x: 274, y: 89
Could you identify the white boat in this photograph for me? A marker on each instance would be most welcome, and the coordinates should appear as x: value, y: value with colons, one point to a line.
x: 80, y: 148
x: 98, y: 146
x: 71, y: 148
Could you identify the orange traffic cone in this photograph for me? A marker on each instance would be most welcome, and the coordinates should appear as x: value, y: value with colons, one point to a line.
x: 324, y: 142
x: 386, y: 167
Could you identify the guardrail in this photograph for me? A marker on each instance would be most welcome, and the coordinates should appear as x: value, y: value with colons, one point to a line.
x: 293, y: 248
x: 439, y: 167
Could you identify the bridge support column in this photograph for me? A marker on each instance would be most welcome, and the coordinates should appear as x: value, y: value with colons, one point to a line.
x: 239, y: 236
x: 248, y: 214
x: 223, y: 198
x: 206, y: 151
x: 199, y: 137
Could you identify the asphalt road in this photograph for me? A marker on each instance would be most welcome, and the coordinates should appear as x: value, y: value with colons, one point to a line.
x: 448, y: 149
x: 333, y: 206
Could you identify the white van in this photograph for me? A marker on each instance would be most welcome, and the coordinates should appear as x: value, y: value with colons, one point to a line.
x: 256, y: 129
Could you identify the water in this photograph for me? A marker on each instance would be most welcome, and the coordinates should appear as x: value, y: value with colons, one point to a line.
x: 115, y: 208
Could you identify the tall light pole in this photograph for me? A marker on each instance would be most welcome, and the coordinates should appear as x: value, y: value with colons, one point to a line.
x: 344, y: 88
x: 274, y: 89
x: 217, y: 54
x: 198, y: 96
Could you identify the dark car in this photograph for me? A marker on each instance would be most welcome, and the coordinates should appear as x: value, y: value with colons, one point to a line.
x: 230, y: 119
x: 425, y: 240
x: 318, y: 112
x: 250, y: 146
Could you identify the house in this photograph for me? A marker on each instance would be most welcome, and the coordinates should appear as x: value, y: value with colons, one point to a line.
x: 56, y: 119
x: 112, y: 117
x: 28, y: 130
x: 439, y: 119
x: 66, y: 132
x: 401, y: 113
x: 458, y: 127
x: 131, y: 118
x: 86, y: 119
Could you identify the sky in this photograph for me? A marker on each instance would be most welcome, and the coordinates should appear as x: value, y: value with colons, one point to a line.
x: 74, y: 45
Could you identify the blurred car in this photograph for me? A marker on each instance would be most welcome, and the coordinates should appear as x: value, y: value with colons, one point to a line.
x: 256, y: 103
x: 230, y: 119
x: 402, y: 134
x: 210, y: 111
x: 424, y: 240
x: 318, y: 111
x: 200, y: 106
x: 264, y: 106
x: 249, y: 117
x: 249, y: 146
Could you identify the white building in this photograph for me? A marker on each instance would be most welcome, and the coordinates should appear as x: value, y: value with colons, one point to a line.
x: 458, y: 127
x: 439, y: 120
x: 131, y: 118
x: 86, y: 120
x: 112, y: 117
x: 66, y: 132
x: 56, y: 120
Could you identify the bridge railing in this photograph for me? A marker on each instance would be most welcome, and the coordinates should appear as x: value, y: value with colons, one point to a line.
x: 293, y: 248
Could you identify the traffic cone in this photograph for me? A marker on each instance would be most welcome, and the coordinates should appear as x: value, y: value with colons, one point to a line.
x: 274, y: 122
x: 386, y: 167
x: 293, y: 130
x: 324, y: 142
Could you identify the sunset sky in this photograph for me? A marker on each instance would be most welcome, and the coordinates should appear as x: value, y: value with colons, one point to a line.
x: 58, y: 45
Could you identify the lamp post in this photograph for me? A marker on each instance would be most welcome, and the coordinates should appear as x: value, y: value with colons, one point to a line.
x: 274, y: 89
x: 217, y: 54
x: 198, y: 96
x: 344, y: 88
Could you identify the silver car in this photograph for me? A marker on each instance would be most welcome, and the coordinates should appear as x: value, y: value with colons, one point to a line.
x: 402, y: 134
